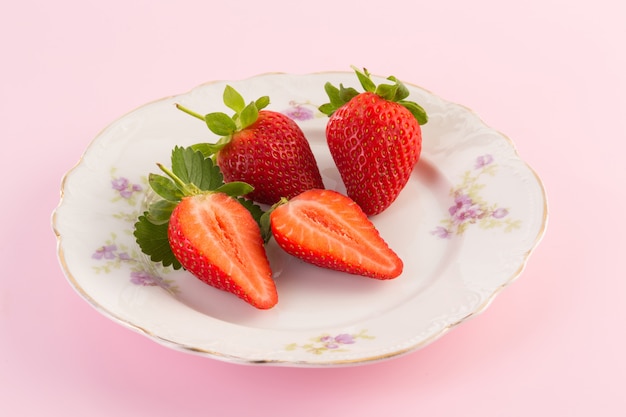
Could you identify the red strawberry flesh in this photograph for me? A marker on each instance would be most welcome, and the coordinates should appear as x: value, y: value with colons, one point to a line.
x: 328, y: 229
x: 216, y: 239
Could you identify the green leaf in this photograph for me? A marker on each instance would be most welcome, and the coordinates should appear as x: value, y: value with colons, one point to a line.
x: 386, y: 91
x: 153, y: 241
x: 220, y: 124
x: 333, y: 95
x: 223, y: 125
x: 265, y: 220
x: 335, y: 100
x: 253, y: 208
x: 165, y: 187
x: 160, y: 212
x: 210, y: 149
x: 327, y: 109
x: 416, y: 110
x: 346, y: 94
x: 233, y: 99
x: 365, y: 80
x: 235, y: 188
x: 248, y: 115
x: 191, y: 167
x: 262, y: 102
x: 402, y: 92
x: 213, y: 176
x: 396, y: 92
x: 187, y: 165
x: 265, y: 226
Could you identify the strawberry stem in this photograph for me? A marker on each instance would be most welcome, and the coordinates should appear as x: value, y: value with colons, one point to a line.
x: 190, y: 112
x: 187, y: 188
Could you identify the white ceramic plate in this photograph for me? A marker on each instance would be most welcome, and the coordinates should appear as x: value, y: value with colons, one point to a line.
x: 465, y: 226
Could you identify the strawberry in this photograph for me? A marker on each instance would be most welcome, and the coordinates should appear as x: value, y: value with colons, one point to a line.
x: 216, y: 239
x: 374, y: 138
x: 201, y: 226
x: 263, y: 148
x: 327, y: 229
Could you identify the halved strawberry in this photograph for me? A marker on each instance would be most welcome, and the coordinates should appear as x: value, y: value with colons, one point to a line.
x: 328, y: 229
x: 200, y: 224
x: 216, y: 239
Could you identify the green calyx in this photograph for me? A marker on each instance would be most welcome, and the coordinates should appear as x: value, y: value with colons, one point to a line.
x: 264, y: 220
x: 191, y: 173
x: 396, y: 92
x: 224, y: 125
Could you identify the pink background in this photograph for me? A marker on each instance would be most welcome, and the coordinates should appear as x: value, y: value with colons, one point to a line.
x: 550, y: 74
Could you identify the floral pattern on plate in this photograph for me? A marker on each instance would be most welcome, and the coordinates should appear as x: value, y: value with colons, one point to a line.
x: 115, y: 254
x: 470, y: 208
x: 302, y: 111
x: 327, y: 343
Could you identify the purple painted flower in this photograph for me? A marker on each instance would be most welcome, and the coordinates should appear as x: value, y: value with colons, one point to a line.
x: 471, y: 213
x: 465, y: 210
x: 106, y: 252
x: 124, y: 257
x: 119, y: 184
x: 344, y: 339
x: 125, y: 189
x: 143, y: 278
x: 500, y: 213
x: 461, y: 202
x: 331, y: 342
x: 298, y: 112
x: 442, y: 232
x: 127, y: 193
x: 468, y: 210
x: 483, y: 161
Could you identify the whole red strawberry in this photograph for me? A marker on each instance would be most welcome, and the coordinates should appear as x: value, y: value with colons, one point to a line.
x: 328, y: 229
x: 263, y: 148
x: 374, y: 138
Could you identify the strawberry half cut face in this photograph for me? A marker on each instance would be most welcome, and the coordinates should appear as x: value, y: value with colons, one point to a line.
x: 216, y: 239
x: 328, y: 229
